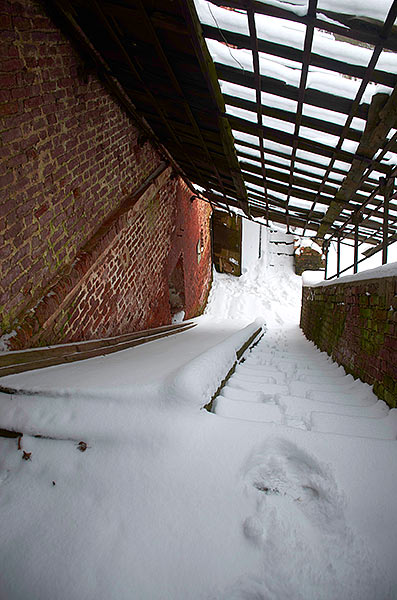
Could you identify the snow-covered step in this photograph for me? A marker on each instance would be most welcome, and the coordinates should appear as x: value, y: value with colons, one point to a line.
x: 336, y: 396
x: 294, y: 385
x: 258, y: 379
x: 286, y: 364
x: 294, y: 406
x: 254, y: 369
x: 288, y: 352
x: 336, y: 379
x: 384, y: 428
x: 267, y: 388
x: 267, y: 376
x: 306, y: 389
x: 247, y: 395
x: 236, y: 409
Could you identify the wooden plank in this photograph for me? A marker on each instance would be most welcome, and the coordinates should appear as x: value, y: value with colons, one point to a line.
x: 32, y: 354
x: 83, y: 355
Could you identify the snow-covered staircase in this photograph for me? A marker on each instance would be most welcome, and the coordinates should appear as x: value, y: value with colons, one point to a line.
x: 285, y: 380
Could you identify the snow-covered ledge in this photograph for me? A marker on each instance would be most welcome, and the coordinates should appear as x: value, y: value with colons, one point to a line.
x: 354, y: 320
x: 200, y: 379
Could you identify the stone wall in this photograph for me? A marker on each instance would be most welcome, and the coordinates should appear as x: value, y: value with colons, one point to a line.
x: 308, y: 259
x: 77, y: 257
x: 356, y: 323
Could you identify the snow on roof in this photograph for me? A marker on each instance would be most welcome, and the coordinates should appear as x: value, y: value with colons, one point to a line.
x: 306, y: 242
x: 323, y: 69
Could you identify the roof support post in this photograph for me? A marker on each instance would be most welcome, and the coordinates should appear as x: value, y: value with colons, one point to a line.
x: 355, y: 261
x: 338, y: 248
x: 325, y: 249
x: 387, y: 190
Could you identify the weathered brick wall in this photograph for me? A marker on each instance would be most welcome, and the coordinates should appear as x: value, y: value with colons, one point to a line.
x: 191, y: 229
x: 356, y: 324
x: 308, y: 259
x: 70, y: 158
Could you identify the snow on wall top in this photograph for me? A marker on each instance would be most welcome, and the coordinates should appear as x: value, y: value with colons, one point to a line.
x: 389, y: 270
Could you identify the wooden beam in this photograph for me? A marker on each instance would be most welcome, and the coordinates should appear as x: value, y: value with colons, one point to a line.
x: 287, y: 139
x: 387, y: 187
x: 209, y: 72
x: 289, y: 117
x: 279, y: 88
x: 355, y: 263
x: 29, y: 360
x: 359, y: 32
x: 295, y: 54
x: 382, y: 117
x: 258, y: 108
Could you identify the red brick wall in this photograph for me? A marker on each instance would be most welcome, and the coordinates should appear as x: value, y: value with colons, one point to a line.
x: 192, y: 223
x: 69, y: 159
x: 308, y: 259
x: 356, y: 324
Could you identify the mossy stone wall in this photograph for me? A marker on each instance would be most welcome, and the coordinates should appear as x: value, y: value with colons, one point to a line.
x: 356, y: 324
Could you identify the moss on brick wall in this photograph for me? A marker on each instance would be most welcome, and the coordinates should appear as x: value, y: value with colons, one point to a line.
x: 356, y: 324
x: 70, y: 160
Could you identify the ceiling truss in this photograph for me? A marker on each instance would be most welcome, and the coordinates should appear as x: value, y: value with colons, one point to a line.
x: 283, y: 160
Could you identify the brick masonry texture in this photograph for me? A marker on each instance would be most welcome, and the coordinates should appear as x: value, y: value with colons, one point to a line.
x: 356, y: 324
x: 70, y: 158
x: 308, y: 260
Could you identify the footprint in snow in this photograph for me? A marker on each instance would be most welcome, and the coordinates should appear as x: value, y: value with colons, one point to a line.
x: 306, y: 550
x: 281, y: 476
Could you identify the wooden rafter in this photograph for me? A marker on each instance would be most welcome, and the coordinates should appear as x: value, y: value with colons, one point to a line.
x: 287, y: 160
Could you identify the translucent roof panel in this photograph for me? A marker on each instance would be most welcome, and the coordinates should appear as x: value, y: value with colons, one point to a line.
x: 316, y: 158
x: 247, y: 150
x: 242, y: 113
x: 250, y: 161
x: 387, y: 62
x: 325, y: 44
x: 238, y: 91
x: 216, y: 16
x: 361, y: 8
x: 319, y: 136
x: 223, y: 54
x: 308, y: 93
x: 246, y: 137
x: 280, y: 31
x: 325, y: 114
x: 278, y: 124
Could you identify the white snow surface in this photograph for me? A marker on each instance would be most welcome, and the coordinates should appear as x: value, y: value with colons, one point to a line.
x: 286, y: 492
x: 388, y: 270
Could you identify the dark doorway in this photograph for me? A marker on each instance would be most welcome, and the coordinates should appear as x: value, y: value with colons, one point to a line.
x: 227, y: 243
x: 176, y: 289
